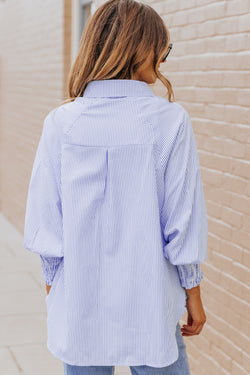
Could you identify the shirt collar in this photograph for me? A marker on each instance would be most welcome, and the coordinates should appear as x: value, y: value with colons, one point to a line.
x: 117, y: 87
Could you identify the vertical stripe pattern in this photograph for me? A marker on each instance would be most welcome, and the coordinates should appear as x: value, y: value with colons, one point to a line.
x: 116, y: 210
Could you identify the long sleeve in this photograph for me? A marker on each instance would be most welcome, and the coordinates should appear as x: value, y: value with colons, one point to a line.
x: 183, y: 214
x: 49, y: 267
x: 43, y: 217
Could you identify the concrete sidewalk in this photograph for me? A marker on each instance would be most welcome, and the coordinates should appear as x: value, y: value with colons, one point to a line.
x: 23, y: 329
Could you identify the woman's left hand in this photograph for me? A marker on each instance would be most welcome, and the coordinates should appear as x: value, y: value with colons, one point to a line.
x: 48, y: 288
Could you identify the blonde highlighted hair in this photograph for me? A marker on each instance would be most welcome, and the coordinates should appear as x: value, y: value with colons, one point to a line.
x: 115, y: 42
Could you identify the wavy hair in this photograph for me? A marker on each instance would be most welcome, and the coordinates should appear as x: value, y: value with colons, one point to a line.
x: 117, y: 39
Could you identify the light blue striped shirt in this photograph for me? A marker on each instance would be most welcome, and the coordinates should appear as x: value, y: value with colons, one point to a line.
x: 116, y: 210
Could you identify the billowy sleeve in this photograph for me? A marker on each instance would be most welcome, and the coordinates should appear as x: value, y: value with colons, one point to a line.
x: 43, y: 216
x: 184, y: 215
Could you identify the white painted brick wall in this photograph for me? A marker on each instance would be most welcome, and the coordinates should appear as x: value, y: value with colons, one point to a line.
x: 31, y: 83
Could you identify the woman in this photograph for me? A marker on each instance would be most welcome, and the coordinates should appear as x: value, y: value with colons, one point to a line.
x: 115, y: 206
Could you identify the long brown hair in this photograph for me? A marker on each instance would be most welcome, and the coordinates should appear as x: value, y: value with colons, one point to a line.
x: 115, y: 42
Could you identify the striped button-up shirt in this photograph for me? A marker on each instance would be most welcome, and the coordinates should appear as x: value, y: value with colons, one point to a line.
x: 116, y: 210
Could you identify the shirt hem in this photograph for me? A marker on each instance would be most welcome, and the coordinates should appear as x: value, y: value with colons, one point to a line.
x: 117, y: 363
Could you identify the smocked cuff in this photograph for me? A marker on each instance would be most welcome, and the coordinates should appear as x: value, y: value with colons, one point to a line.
x: 49, y: 267
x: 190, y: 275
